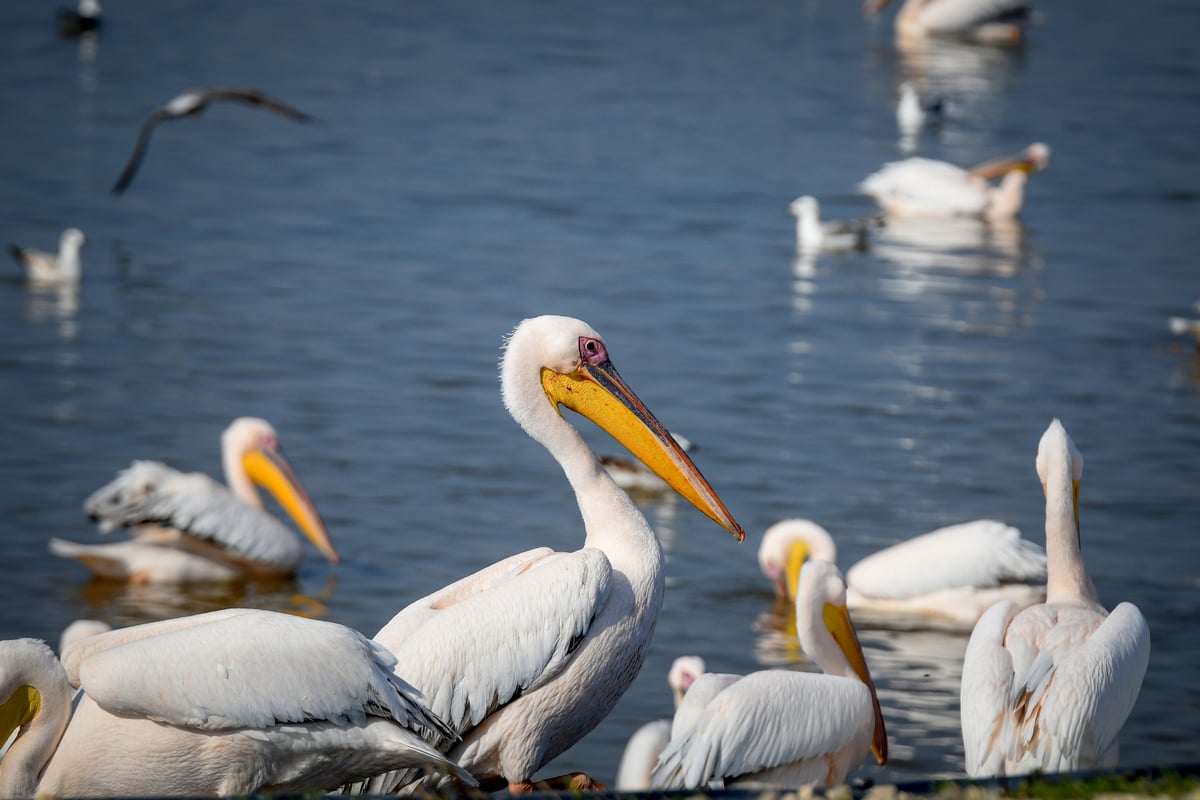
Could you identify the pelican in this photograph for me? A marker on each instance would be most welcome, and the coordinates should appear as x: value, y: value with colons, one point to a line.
x: 814, y: 235
x: 79, y: 630
x: 643, y: 748
x: 984, y: 21
x: 232, y: 702
x: 189, y: 528
x: 526, y: 656
x: 634, y: 476
x: 1048, y: 688
x: 949, y: 576
x: 190, y: 103
x: 923, y: 187
x: 52, y: 269
x: 783, y: 727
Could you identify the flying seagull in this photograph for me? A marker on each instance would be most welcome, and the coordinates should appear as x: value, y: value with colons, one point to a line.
x: 191, y: 103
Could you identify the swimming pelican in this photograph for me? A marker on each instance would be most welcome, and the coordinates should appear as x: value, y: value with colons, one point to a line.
x: 191, y: 103
x: 984, y: 21
x: 232, y: 702
x: 52, y: 269
x: 187, y: 527
x: 918, y: 187
x: 814, y: 235
x: 949, y: 576
x: 526, y: 656
x: 784, y: 727
x: 1049, y: 688
x: 647, y: 743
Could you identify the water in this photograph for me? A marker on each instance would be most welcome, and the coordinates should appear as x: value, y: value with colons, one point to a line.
x: 631, y: 165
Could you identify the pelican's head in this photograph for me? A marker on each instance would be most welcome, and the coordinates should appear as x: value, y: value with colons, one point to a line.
x: 683, y: 673
x: 786, y: 546
x: 1034, y: 158
x: 872, y: 7
x: 827, y: 635
x: 569, y: 361
x: 1058, y: 461
x: 250, y: 450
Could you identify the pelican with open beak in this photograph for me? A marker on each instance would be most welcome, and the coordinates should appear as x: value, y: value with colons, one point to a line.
x: 189, y: 528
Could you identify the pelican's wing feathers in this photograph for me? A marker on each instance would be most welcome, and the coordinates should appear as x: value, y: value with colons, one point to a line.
x: 245, y: 668
x: 934, y: 184
x: 986, y: 692
x: 955, y: 16
x: 981, y: 554
x: 528, y: 613
x: 151, y: 493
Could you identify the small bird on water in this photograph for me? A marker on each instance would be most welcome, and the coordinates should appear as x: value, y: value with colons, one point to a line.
x: 52, y: 269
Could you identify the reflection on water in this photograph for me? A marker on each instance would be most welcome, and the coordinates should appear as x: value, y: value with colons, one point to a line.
x: 961, y: 244
x: 54, y: 304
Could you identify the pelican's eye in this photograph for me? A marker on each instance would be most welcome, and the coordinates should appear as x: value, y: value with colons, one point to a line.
x: 592, y: 351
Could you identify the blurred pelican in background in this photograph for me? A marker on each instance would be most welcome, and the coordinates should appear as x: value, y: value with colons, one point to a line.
x: 924, y: 187
x: 644, y: 747
x: 187, y: 527
x: 945, y: 578
x: 528, y: 655
x: 1001, y: 22
x: 1048, y: 688
x: 783, y: 727
x: 233, y: 702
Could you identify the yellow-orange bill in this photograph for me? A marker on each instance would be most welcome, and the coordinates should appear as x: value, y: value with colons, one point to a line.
x: 837, y: 621
x: 269, y: 469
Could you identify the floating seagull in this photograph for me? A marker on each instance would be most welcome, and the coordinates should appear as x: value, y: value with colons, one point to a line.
x: 52, y: 269
x: 644, y: 747
x: 191, y: 103
x: 1181, y: 326
x: 85, y: 17
x: 1048, y: 689
x: 983, y: 21
x: 913, y: 112
x: 815, y: 236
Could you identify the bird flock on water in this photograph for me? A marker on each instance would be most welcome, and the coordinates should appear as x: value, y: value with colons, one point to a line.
x: 484, y: 682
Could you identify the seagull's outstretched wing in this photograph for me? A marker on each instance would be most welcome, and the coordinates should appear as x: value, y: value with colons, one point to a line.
x: 139, y: 149
x: 256, y: 98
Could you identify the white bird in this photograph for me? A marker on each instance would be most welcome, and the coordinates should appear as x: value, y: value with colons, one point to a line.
x: 191, y: 103
x: 947, y: 577
x: 85, y: 17
x: 1182, y: 326
x: 525, y: 657
x: 79, y: 630
x: 232, y: 702
x: 784, y: 727
x: 1049, y: 688
x: 831, y: 236
x: 189, y: 528
x: 916, y: 187
x: 52, y: 269
x: 984, y: 21
x: 634, y: 476
x: 647, y: 743
x: 913, y: 113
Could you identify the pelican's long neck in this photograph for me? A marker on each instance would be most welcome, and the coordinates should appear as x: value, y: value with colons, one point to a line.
x: 818, y: 644
x: 1066, y: 576
x: 30, y: 752
x: 1005, y: 200
x: 235, y: 475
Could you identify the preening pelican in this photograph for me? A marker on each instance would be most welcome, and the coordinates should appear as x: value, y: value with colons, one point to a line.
x: 647, y: 743
x: 526, y: 656
x: 918, y: 187
x: 948, y: 577
x: 191, y: 103
x: 1049, y: 688
x: 783, y: 727
x: 232, y: 702
x: 187, y: 527
x: 52, y: 269
x: 831, y: 236
x: 984, y: 21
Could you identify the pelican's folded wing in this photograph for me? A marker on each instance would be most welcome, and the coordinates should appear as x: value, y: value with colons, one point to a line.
x: 957, y: 16
x: 986, y: 693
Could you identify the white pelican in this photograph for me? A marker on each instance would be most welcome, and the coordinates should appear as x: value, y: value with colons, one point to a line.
x: 949, y: 576
x: 79, y: 630
x: 984, y: 21
x: 923, y: 187
x: 643, y: 748
x: 1048, y: 688
x: 832, y: 236
x: 783, y: 727
x: 232, y: 702
x: 52, y: 269
x: 187, y: 527
x: 526, y: 656
x: 634, y: 476
x: 190, y: 103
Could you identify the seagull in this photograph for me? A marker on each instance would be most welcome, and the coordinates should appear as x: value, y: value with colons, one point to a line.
x: 51, y: 269
x: 816, y: 236
x: 914, y: 112
x: 86, y: 17
x: 193, y: 102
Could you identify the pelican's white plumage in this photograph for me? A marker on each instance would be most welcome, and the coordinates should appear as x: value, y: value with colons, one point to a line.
x: 830, y: 236
x: 187, y: 527
x: 526, y: 656
x: 924, y: 187
x: 783, y: 727
x: 1049, y: 688
x: 634, y: 773
x: 986, y: 21
x: 949, y: 576
x: 232, y: 702
x: 53, y: 269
